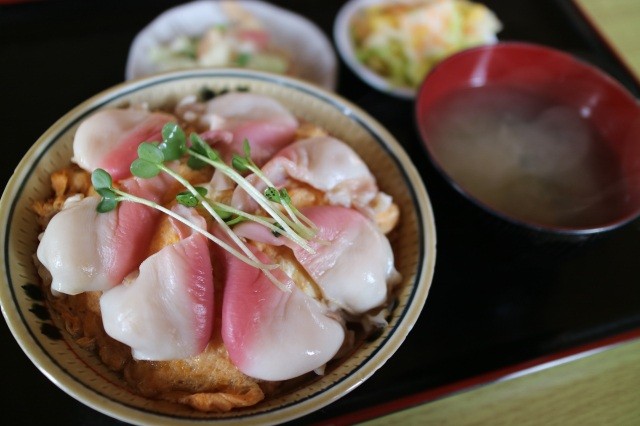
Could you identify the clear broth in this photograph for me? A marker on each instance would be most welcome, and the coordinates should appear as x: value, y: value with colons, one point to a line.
x: 520, y: 154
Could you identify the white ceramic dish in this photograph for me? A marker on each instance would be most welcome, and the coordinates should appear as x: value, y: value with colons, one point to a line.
x: 344, y: 43
x: 314, y: 56
x: 82, y: 375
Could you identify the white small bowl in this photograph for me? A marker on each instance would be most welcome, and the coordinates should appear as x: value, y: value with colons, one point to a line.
x: 315, y: 58
x: 344, y: 43
x: 82, y: 375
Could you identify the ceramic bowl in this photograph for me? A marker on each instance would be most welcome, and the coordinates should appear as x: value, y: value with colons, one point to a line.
x: 344, y: 44
x: 315, y: 59
x: 342, y: 34
x: 81, y: 374
x: 535, y: 136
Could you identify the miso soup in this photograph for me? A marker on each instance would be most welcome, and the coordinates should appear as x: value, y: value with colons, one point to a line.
x: 525, y: 156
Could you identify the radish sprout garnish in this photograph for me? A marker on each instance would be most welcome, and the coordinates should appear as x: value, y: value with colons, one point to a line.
x: 151, y: 160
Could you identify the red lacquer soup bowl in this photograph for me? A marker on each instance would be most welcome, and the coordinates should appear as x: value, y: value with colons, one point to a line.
x: 534, y: 136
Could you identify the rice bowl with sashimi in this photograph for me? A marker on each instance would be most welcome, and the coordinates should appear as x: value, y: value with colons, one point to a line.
x: 271, y: 260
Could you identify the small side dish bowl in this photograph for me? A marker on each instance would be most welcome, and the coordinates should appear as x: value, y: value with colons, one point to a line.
x: 534, y: 136
x: 294, y: 35
x: 391, y: 45
x: 344, y: 44
x: 81, y: 373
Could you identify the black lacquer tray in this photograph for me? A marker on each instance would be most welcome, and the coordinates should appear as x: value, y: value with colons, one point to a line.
x: 501, y: 295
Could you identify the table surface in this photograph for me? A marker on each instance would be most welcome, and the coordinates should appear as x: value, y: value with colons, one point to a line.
x: 597, y: 386
x: 501, y: 296
x: 617, y: 23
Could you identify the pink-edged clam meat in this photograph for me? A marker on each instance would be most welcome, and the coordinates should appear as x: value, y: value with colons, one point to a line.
x: 84, y: 250
x: 109, y: 138
x: 323, y: 162
x: 353, y: 262
x: 77, y: 261
x: 272, y: 334
x: 166, y: 311
x: 263, y: 121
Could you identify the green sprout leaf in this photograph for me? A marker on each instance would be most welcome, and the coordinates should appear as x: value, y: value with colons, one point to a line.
x: 239, y: 163
x: 174, y: 143
x: 103, y: 184
x: 272, y: 194
x: 101, y: 179
x: 197, y: 146
x: 106, y: 205
x: 247, y: 148
x: 173, y: 133
x: 195, y: 163
x: 106, y: 193
x: 150, y: 152
x: 224, y: 214
x: 201, y: 190
x: 144, y: 169
x: 203, y: 148
x: 284, y: 196
x: 212, y: 153
x: 188, y: 199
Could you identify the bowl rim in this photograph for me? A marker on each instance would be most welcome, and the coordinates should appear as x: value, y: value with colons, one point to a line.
x: 19, y: 328
x: 581, y: 64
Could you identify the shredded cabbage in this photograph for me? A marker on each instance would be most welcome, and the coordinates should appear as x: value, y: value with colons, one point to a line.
x: 403, y: 40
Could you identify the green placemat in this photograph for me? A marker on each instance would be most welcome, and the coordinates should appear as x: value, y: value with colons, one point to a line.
x: 601, y: 388
x: 618, y: 21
